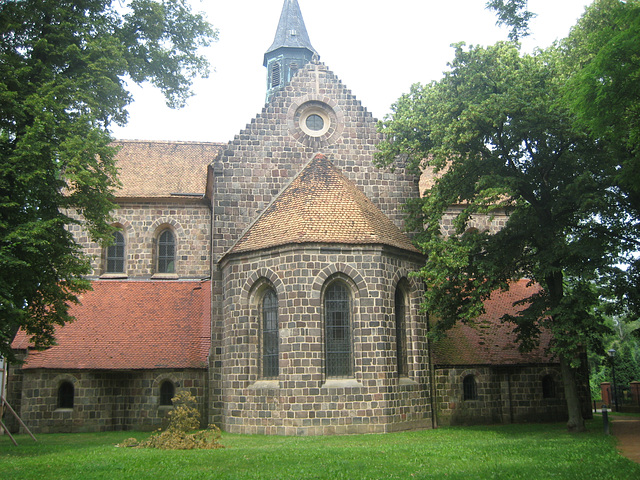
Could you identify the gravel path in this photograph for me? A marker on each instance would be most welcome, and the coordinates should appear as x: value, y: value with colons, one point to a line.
x: 627, y: 431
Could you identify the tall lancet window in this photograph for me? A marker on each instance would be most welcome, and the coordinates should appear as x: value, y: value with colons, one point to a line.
x: 337, y: 318
x: 270, y: 340
x: 401, y: 332
x: 166, y: 252
x: 115, y: 254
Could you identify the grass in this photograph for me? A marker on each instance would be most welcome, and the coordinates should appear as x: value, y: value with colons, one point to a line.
x: 486, y: 452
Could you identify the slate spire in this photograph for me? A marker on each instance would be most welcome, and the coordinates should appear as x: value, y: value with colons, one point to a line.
x: 290, y: 50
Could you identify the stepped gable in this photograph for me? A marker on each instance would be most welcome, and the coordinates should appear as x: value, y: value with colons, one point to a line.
x: 153, y: 169
x: 272, y: 149
x: 321, y: 206
x: 128, y: 325
x: 489, y: 341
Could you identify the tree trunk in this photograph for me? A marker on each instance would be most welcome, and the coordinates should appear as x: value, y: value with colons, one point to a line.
x: 575, y: 422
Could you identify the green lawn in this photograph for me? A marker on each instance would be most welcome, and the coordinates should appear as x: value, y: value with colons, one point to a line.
x: 507, y: 451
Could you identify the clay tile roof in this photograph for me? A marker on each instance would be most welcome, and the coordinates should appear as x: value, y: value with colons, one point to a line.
x: 132, y: 325
x: 158, y: 169
x: 321, y: 206
x: 490, y: 341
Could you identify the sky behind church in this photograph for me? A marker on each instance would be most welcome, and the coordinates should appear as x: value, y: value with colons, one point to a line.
x: 377, y: 48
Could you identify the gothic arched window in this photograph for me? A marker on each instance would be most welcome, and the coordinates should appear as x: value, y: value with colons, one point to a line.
x: 115, y: 254
x: 401, y: 332
x: 337, y: 321
x: 270, y: 339
x: 166, y: 252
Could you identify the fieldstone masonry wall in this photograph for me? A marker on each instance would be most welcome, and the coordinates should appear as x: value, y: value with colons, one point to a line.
x: 302, y: 400
x: 504, y: 395
x: 103, y: 400
x: 141, y: 224
x: 271, y: 151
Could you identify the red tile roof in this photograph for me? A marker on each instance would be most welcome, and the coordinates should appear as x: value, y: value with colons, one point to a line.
x: 132, y: 325
x: 489, y: 341
x: 322, y: 206
x: 152, y: 169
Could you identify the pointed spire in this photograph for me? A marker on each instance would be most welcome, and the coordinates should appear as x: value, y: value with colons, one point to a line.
x: 290, y: 50
x: 291, y: 33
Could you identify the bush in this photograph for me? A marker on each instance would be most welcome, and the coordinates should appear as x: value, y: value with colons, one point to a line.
x: 180, y: 434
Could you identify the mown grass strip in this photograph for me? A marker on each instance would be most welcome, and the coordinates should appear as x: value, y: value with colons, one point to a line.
x: 484, y: 452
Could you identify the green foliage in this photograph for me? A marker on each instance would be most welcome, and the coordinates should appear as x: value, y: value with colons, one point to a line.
x: 493, y: 133
x: 498, y: 138
x: 500, y: 452
x: 514, y: 14
x: 627, y: 358
x: 602, y: 58
x: 63, y: 70
x: 180, y: 435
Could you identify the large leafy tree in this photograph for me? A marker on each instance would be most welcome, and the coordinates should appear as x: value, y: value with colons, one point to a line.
x: 499, y: 141
x: 64, y: 65
x: 602, y: 58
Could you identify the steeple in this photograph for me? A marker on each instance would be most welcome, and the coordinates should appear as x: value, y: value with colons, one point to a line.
x: 291, y: 48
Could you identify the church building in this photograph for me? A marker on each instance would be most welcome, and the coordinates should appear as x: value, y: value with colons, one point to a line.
x: 270, y: 276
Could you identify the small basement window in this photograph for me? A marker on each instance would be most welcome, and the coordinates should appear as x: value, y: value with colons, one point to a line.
x: 167, y: 392
x: 548, y: 387
x: 469, y: 388
x: 65, y: 395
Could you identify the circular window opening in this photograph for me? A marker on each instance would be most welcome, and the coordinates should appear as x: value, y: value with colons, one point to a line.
x: 315, y: 122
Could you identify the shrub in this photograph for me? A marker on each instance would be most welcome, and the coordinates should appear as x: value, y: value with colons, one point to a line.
x: 180, y: 434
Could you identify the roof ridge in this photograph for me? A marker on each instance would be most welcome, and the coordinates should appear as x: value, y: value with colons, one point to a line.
x: 168, y: 142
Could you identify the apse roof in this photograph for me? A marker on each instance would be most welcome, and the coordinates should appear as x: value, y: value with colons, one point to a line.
x: 130, y: 325
x: 321, y: 206
x: 291, y: 32
x: 489, y: 341
x: 151, y: 169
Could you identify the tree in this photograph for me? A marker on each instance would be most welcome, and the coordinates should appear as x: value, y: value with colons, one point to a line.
x: 514, y: 14
x: 63, y: 71
x: 602, y: 58
x: 499, y: 141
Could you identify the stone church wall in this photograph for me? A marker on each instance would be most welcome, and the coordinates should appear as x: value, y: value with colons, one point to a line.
x: 302, y: 400
x: 503, y: 395
x: 272, y: 149
x: 142, y: 222
x: 103, y: 400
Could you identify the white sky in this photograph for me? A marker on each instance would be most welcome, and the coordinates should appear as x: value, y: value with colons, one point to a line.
x: 378, y: 48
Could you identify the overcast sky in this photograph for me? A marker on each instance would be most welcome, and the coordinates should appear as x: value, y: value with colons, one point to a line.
x: 378, y: 48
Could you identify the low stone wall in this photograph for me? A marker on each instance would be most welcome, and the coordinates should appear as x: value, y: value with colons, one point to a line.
x: 103, y: 400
